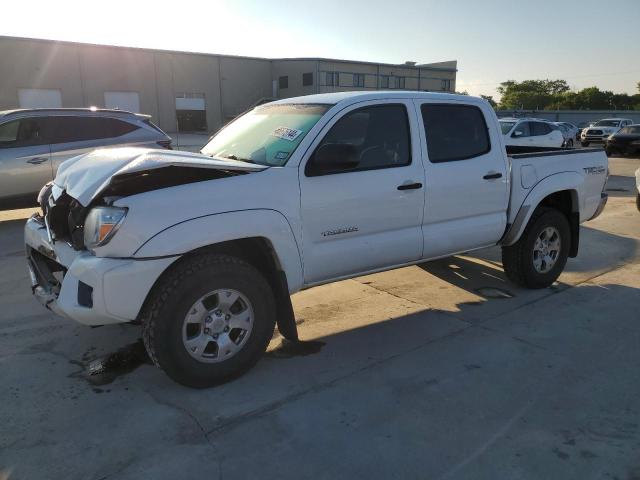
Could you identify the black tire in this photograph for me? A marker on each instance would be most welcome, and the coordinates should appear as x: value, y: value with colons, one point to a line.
x: 569, y: 143
x: 517, y: 259
x: 608, y: 151
x: 165, y: 311
x: 638, y: 201
x: 584, y: 144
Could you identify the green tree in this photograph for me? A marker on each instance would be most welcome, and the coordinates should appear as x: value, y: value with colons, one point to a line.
x: 491, y: 101
x: 530, y: 94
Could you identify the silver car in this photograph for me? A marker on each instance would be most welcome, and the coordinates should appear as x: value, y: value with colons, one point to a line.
x: 33, y: 143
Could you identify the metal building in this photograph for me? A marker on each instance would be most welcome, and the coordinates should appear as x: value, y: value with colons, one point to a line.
x: 186, y: 91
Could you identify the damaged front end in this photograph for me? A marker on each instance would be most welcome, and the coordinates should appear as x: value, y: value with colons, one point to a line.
x: 78, y: 214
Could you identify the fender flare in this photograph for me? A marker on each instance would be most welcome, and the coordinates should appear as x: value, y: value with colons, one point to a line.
x: 557, y: 182
x: 189, y: 235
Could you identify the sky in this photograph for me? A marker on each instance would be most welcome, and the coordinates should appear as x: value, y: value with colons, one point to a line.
x: 586, y: 42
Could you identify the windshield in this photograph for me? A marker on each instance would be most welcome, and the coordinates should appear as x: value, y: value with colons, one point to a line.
x: 607, y: 123
x: 630, y: 130
x: 506, y: 126
x: 266, y: 135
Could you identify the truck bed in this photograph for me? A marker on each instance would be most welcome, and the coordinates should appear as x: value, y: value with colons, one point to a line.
x: 581, y: 169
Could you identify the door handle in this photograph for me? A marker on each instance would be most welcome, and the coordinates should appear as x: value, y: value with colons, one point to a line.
x: 410, y: 186
x: 37, y: 160
x: 492, y: 175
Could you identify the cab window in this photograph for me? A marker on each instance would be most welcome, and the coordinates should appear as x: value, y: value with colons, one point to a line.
x: 365, y: 139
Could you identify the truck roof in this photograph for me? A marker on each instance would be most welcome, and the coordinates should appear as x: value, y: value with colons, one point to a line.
x: 362, y: 96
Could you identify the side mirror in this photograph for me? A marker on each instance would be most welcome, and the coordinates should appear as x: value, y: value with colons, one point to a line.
x: 517, y: 133
x: 332, y: 158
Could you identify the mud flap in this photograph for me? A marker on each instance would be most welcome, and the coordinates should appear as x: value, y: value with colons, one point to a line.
x: 286, y: 319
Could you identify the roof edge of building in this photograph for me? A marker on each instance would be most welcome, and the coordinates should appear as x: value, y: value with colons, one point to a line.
x: 423, y: 66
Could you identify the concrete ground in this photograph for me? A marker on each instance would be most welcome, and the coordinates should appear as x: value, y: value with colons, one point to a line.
x: 438, y: 371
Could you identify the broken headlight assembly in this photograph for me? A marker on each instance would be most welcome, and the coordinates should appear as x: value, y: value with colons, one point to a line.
x: 101, y: 225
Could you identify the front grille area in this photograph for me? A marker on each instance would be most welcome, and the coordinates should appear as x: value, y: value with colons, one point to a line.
x: 594, y: 132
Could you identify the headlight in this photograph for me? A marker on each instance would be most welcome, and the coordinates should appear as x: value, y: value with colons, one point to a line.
x: 101, y: 225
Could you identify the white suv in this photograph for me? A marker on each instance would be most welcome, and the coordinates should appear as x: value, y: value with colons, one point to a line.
x: 603, y: 129
x: 530, y: 132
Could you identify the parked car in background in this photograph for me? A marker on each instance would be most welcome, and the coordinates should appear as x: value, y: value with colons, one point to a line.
x: 602, y: 129
x: 625, y: 141
x: 205, y: 250
x: 573, y: 128
x: 582, y: 126
x: 569, y: 132
x: 33, y: 143
x: 531, y: 132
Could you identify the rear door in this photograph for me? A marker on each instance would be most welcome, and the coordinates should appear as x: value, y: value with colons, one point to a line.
x: 467, y: 188
x: 25, y: 162
x: 75, y: 135
x: 369, y: 216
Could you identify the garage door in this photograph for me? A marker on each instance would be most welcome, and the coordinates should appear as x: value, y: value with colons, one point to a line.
x: 191, y: 112
x: 39, y: 98
x: 129, y: 101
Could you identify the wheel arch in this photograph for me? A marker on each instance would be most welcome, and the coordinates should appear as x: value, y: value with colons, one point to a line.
x: 560, y: 191
x: 262, y: 238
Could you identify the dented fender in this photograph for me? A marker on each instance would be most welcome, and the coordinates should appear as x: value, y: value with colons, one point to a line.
x: 208, y: 230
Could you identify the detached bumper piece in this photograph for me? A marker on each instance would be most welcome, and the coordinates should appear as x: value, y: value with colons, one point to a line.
x: 46, y: 278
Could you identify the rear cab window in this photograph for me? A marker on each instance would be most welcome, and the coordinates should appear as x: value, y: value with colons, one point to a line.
x: 454, y: 132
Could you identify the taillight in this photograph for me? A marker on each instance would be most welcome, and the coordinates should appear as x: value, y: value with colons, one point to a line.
x: 165, y: 144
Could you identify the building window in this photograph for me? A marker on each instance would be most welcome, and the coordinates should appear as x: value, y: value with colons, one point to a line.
x: 384, y: 81
x: 400, y: 82
x: 307, y: 79
x: 445, y: 85
x: 283, y: 82
x: 333, y: 79
x: 358, y: 80
x: 191, y: 113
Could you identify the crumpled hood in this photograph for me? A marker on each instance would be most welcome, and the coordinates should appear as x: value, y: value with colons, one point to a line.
x: 85, y: 176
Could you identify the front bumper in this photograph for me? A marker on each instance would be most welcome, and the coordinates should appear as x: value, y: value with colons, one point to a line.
x: 595, y: 138
x: 85, y: 288
x: 603, y: 202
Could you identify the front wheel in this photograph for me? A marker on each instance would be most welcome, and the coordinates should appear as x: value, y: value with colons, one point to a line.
x: 584, y: 144
x: 638, y: 201
x: 569, y: 143
x: 538, y: 258
x: 209, y: 320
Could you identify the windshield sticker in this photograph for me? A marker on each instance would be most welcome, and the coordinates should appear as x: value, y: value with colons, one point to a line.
x: 285, y: 133
x: 281, y: 155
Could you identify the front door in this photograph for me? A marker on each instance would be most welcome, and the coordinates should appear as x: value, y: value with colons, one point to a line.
x: 25, y: 161
x: 365, y: 214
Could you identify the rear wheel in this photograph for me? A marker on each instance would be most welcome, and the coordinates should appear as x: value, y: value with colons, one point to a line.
x: 209, y: 320
x: 538, y: 258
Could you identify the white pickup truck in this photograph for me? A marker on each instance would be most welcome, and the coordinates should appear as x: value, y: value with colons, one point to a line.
x: 205, y: 249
